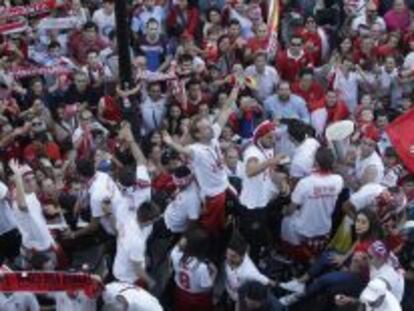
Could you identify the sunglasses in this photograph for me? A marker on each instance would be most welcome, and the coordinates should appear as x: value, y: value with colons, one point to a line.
x: 296, y: 44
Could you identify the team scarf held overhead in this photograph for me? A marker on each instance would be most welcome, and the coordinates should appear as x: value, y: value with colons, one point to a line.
x: 46, y: 282
x: 24, y: 72
x: 37, y: 8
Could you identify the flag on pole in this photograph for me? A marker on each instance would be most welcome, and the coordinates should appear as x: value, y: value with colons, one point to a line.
x: 401, y: 134
x: 273, y: 26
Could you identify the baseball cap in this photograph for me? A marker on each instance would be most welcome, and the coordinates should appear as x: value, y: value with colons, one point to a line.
x: 263, y: 129
x: 375, y: 289
x: 378, y: 250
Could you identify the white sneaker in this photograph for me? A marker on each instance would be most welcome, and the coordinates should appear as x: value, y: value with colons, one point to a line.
x: 293, y: 286
x: 290, y: 299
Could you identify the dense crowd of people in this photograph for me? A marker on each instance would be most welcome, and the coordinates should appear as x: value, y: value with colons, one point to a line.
x: 209, y: 181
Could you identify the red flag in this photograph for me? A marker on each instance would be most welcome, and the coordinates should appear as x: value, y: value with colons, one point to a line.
x: 401, y: 134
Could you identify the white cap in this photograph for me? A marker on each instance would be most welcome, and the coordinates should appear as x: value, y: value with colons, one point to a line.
x: 138, y: 299
x: 141, y: 300
x: 375, y: 289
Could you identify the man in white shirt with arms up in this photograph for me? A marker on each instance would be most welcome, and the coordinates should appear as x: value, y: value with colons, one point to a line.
x: 36, y: 237
x: 208, y: 164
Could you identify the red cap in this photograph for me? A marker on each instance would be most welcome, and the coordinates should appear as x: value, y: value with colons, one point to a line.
x: 263, y: 129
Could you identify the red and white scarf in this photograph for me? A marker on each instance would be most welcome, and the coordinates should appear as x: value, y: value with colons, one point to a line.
x: 23, y: 72
x: 28, y: 10
x: 13, y: 27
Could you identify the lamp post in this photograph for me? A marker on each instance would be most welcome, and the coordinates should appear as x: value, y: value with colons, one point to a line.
x: 124, y: 62
x: 123, y: 42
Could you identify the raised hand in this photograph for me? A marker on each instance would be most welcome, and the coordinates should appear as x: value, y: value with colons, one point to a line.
x: 15, y: 167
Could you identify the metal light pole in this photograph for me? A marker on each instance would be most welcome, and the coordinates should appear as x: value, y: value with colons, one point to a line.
x: 129, y: 110
x: 123, y: 42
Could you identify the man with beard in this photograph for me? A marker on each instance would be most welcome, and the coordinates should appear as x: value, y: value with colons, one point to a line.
x: 286, y: 105
x: 258, y: 188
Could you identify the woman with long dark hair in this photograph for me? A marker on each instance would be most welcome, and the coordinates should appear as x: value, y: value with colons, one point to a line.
x: 337, y: 273
x: 173, y: 120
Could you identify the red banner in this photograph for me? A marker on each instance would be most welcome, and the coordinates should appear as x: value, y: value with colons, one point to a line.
x: 44, y: 282
x: 26, y: 10
x: 401, y: 134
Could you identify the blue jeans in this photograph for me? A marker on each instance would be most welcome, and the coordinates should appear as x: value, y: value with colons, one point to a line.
x: 333, y: 282
x: 322, y: 265
x: 337, y: 282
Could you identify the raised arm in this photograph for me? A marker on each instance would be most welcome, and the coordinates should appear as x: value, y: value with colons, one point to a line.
x: 253, y: 167
x: 177, y: 147
x: 228, y: 108
x: 18, y: 179
x: 136, y: 151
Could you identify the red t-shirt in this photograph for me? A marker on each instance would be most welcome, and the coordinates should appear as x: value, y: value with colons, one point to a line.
x: 163, y: 182
x: 192, y: 107
x: 256, y: 44
x: 362, y: 246
x: 360, y: 57
x: 313, y: 97
x: 385, y: 50
x: 338, y: 112
x: 394, y: 241
x: 315, y: 40
x: 112, y: 111
x: 50, y: 149
x: 290, y: 67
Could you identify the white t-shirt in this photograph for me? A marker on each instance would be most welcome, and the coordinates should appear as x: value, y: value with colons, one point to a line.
x: 32, y: 225
x: 7, y: 221
x: 373, y: 160
x: 304, y: 158
x: 132, y: 201
x: 208, y: 166
x: 131, y: 249
x: 186, y: 206
x: 366, y: 195
x: 237, y: 172
x: 19, y: 302
x: 78, y: 303
x: 191, y: 275
x: 257, y: 190
x: 393, y: 278
x: 316, y: 195
x: 347, y: 88
x: 105, y: 23
x: 247, y: 271
x: 390, y: 304
x: 409, y: 61
x: 138, y: 299
x: 104, y: 188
